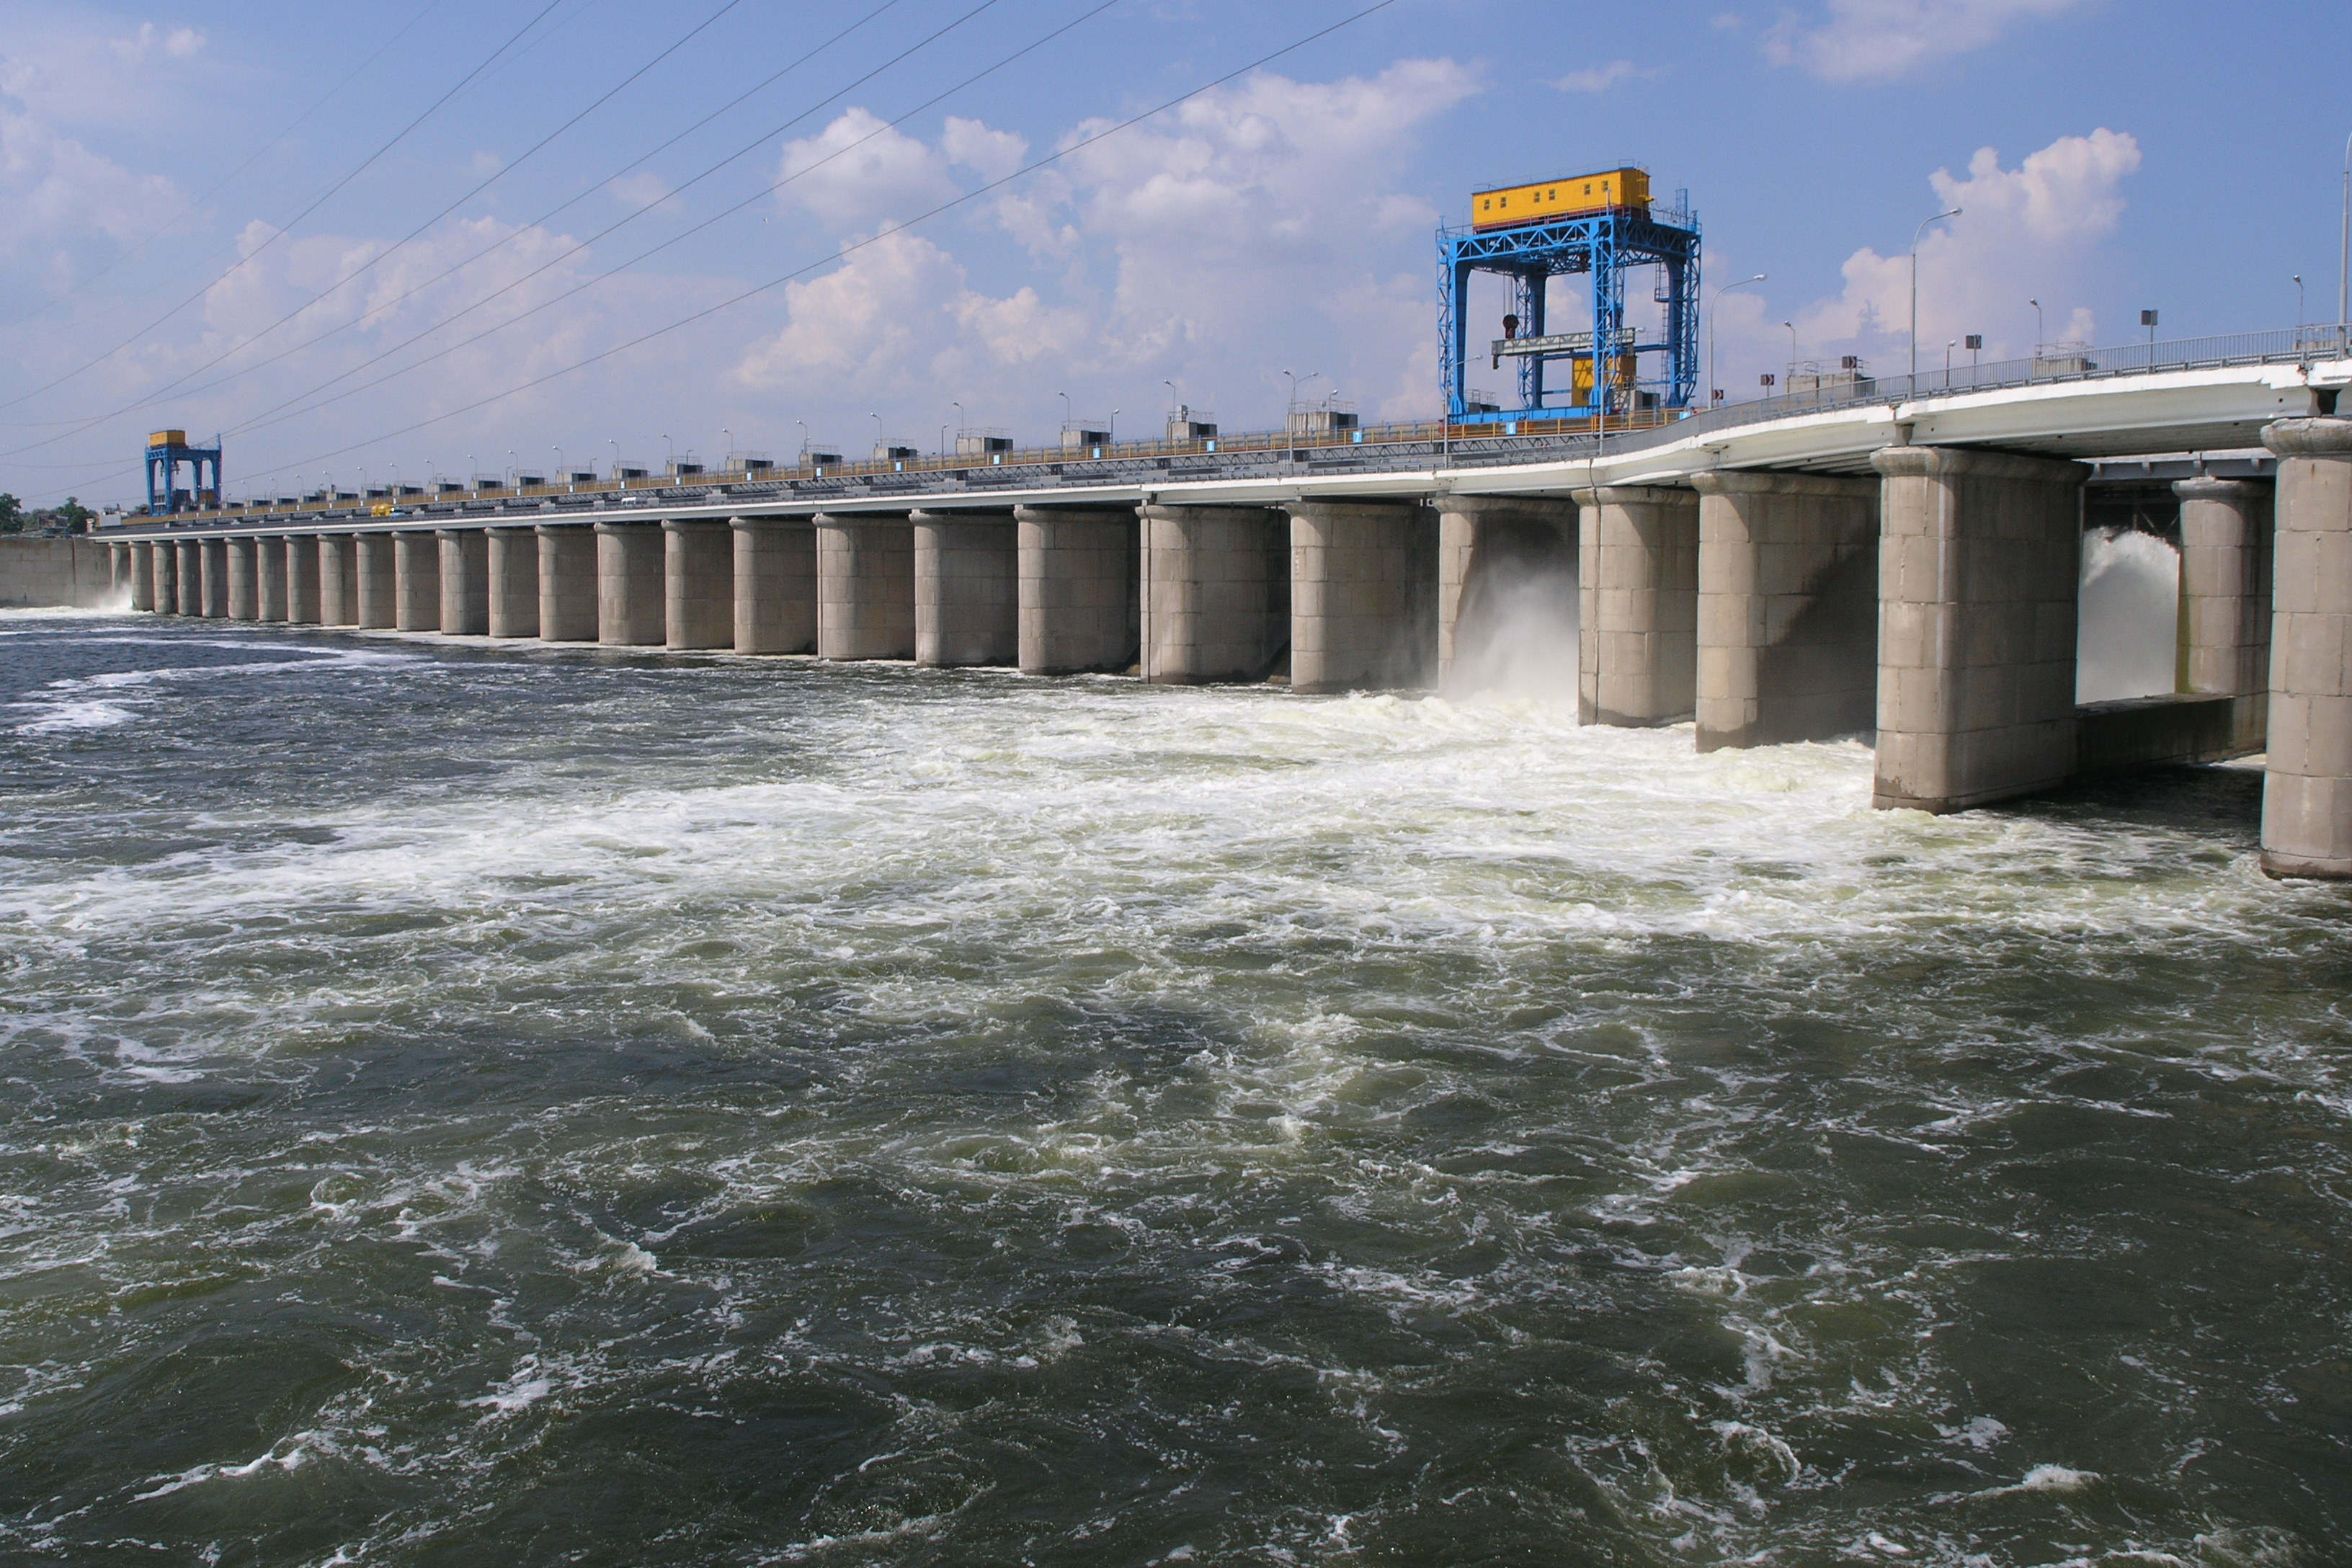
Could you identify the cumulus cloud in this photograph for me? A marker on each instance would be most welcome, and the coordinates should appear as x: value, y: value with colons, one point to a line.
x: 1212, y: 243
x: 858, y: 171
x: 64, y: 200
x: 2027, y: 231
x: 1878, y: 41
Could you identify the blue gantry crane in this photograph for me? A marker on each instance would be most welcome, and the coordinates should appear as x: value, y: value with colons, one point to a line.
x: 166, y: 450
x: 1600, y: 226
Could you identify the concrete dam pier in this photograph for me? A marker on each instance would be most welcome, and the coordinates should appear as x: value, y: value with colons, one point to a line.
x: 1934, y: 605
x: 1906, y: 566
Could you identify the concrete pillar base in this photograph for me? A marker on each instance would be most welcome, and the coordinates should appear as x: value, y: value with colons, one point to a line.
x: 212, y: 578
x: 2225, y: 600
x: 567, y: 583
x: 1079, y: 609
x: 142, y: 576
x: 967, y: 603
x: 339, y: 580
x: 775, y: 585
x: 866, y: 586
x: 1217, y: 594
x: 1637, y: 590
x: 1363, y: 596
x: 377, y: 578
x: 698, y: 584
x: 269, y: 578
x: 416, y: 580
x: 2307, y: 784
x: 187, y: 578
x: 511, y: 560
x: 629, y: 585
x: 1788, y: 608
x: 303, y: 607
x: 1978, y: 573
x: 243, y: 573
x: 465, y: 565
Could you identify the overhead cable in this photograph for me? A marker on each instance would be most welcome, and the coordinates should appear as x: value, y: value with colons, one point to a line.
x: 781, y: 281
x: 280, y: 233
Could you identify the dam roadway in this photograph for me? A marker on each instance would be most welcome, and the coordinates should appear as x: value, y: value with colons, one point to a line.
x: 1895, y: 558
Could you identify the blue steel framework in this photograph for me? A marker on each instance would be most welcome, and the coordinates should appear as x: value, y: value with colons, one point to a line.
x: 1601, y: 245
x: 164, y: 464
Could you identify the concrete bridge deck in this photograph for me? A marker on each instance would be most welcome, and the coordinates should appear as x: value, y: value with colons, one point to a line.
x: 1905, y: 566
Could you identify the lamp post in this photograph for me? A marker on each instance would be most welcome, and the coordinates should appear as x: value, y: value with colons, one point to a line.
x: 670, y: 459
x: 1792, y: 353
x: 2041, y: 335
x: 804, y: 439
x: 1719, y: 293
x: 1949, y: 347
x: 2344, y: 287
x: 877, y: 431
x: 2298, y: 299
x: 1113, y: 431
x: 1915, y: 235
x: 560, y: 475
x: 1173, y: 404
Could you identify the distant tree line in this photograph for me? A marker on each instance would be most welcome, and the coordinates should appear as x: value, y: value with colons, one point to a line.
x: 70, y: 518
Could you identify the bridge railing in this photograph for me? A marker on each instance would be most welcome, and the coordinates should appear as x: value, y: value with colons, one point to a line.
x: 1448, y: 443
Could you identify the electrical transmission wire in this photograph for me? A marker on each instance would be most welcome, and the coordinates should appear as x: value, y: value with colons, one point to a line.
x: 279, y: 233
x: 160, y: 393
x: 380, y: 257
x: 259, y: 152
x: 777, y: 282
x: 262, y: 420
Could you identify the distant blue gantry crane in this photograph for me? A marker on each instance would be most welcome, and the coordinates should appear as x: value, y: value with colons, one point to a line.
x: 166, y: 450
x: 1600, y: 226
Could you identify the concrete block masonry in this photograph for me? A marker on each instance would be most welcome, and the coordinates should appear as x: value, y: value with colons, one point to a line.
x: 69, y: 573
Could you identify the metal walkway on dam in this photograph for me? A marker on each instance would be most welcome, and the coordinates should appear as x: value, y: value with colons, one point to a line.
x: 1885, y: 557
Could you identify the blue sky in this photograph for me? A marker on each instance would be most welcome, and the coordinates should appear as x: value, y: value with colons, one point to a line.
x: 2110, y: 157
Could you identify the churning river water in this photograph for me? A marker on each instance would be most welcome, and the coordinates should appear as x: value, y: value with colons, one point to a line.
x: 525, y: 1106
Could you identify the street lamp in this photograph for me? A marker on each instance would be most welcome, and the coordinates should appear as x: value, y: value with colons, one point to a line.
x: 2344, y: 288
x: 1949, y: 347
x: 1113, y: 423
x: 804, y: 438
x: 1172, y: 403
x: 1792, y: 353
x: 2041, y: 335
x: 1719, y: 293
x: 670, y: 458
x: 2298, y: 299
x: 1914, y: 287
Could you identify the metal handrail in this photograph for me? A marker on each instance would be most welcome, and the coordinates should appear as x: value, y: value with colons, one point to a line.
x: 1511, y: 438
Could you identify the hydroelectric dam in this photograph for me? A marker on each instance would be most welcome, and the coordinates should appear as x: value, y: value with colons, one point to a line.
x: 1897, y: 556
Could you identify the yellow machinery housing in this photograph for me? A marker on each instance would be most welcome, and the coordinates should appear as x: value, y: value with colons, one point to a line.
x: 1621, y: 376
x: 1514, y: 205
x: 168, y: 438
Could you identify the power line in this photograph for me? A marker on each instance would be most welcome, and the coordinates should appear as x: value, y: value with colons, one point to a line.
x: 261, y: 152
x: 262, y: 419
x: 158, y: 396
x: 280, y: 234
x: 777, y: 282
x: 381, y: 256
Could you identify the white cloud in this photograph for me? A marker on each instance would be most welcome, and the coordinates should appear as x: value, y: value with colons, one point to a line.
x: 1864, y: 40
x: 62, y: 198
x: 642, y: 189
x: 992, y: 153
x: 858, y: 171
x: 1208, y: 244
x: 178, y: 42
x: 2024, y: 232
x: 1600, y: 78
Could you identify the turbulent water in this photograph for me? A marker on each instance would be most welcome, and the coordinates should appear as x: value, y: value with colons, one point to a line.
x: 472, y: 1106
